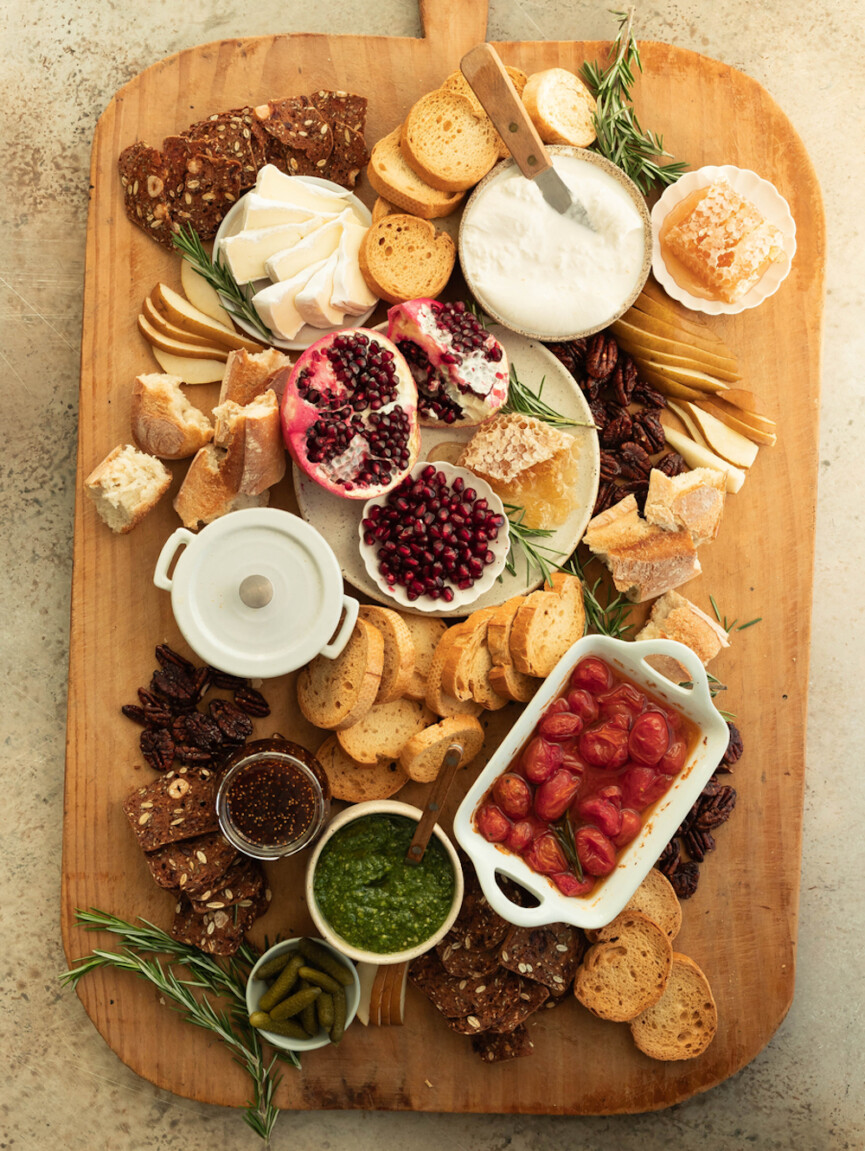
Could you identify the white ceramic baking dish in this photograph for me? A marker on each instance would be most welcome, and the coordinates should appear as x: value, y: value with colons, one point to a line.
x: 611, y: 894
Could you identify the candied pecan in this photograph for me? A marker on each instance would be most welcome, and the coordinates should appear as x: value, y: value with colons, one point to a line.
x: 181, y: 690
x: 669, y: 859
x: 617, y: 431
x: 609, y: 466
x: 590, y: 387
x: 251, y: 701
x: 639, y: 489
x: 235, y: 725
x: 735, y: 747
x: 643, y: 394
x: 602, y: 352
x: 624, y: 380
x: 685, y: 879
x: 599, y: 413
x: 225, y: 680
x: 607, y: 496
x: 135, y: 713
x: 157, y: 747
x: 572, y: 354
x: 699, y: 843
x: 711, y: 788
x: 652, y: 431
x: 187, y: 753
x: 671, y: 464
x: 198, y: 730
x: 634, y: 462
x: 716, y: 809
x: 167, y: 657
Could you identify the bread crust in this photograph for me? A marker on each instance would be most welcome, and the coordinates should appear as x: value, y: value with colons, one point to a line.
x: 403, y: 258
x: 336, y: 693
x: 684, y: 1021
x: 122, y: 500
x: 451, y: 159
x: 164, y: 422
x: 248, y: 375
x: 257, y: 426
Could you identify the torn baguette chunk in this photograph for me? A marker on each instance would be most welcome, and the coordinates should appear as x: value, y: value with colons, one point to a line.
x: 248, y: 375
x: 211, y: 487
x: 675, y: 617
x: 164, y: 422
x: 258, y: 425
x: 644, y: 560
x: 683, y: 1022
x: 693, y: 500
x: 725, y: 242
x: 126, y: 486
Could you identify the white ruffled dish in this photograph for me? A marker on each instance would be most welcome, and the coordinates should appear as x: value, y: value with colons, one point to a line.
x: 462, y: 598
x: 307, y: 334
x: 771, y: 205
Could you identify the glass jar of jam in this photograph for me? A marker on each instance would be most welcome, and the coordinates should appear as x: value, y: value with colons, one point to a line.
x: 273, y: 800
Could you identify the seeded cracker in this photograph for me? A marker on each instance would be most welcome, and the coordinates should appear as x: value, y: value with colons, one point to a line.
x: 442, y: 990
x: 349, y: 156
x: 173, y: 807
x: 494, y: 1048
x: 341, y: 108
x: 192, y: 865
x: 147, y: 191
x: 467, y: 962
x: 242, y: 885
x: 219, y: 932
x: 234, y: 135
x: 299, y: 127
x: 211, y: 184
x: 548, y: 955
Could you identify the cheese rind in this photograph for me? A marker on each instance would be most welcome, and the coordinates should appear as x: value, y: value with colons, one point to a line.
x: 276, y: 304
x: 313, y: 299
x: 350, y: 289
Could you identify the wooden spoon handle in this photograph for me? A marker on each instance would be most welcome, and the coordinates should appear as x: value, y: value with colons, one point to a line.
x: 492, y: 85
x: 435, y: 803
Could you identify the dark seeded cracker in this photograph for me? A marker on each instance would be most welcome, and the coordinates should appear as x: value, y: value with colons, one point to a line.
x: 148, y: 191
x: 173, y: 807
x: 495, y: 1048
x: 241, y: 885
x: 466, y: 962
x: 442, y: 990
x: 341, y: 108
x: 529, y: 997
x: 192, y: 865
x: 548, y: 955
x: 348, y: 157
x: 234, y: 135
x: 211, y: 185
x: 218, y: 932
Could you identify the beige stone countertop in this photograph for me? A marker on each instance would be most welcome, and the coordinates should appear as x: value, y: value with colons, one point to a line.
x: 62, y: 1087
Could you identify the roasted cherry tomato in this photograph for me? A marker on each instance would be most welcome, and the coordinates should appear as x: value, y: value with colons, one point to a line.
x: 560, y: 726
x: 546, y: 856
x: 492, y: 823
x: 649, y: 738
x: 624, y: 699
x: 568, y: 883
x: 513, y: 795
x: 540, y: 759
x: 631, y: 824
x: 583, y: 705
x: 613, y: 793
x: 641, y: 786
x: 520, y: 836
x: 600, y: 812
x: 673, y: 758
x: 554, y: 797
x: 592, y: 674
x: 595, y: 851
x: 604, y: 746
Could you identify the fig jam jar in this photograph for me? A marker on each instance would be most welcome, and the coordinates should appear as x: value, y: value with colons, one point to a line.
x: 580, y: 790
x: 273, y: 800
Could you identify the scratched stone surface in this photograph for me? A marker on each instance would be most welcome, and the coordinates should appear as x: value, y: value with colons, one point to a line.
x: 62, y: 1087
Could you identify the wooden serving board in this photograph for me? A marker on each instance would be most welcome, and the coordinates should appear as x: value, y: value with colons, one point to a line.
x: 741, y: 924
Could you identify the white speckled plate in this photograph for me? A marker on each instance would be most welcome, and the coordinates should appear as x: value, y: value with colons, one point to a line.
x: 338, y: 519
x: 766, y: 199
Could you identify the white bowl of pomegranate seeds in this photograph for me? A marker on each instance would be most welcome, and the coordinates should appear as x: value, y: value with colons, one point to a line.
x: 438, y: 541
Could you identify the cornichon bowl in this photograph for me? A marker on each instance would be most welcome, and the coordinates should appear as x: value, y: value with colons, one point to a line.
x: 255, y: 988
x: 360, y: 811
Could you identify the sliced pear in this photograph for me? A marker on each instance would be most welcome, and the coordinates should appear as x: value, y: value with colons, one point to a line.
x: 667, y: 386
x: 185, y: 315
x: 153, y: 316
x: 628, y: 332
x: 684, y: 360
x: 655, y: 301
x: 738, y: 420
x: 690, y: 377
x: 697, y: 456
x: 202, y: 295
x: 690, y: 424
x: 190, y: 370
x: 652, y: 326
x: 729, y: 444
x: 747, y: 402
x: 177, y: 347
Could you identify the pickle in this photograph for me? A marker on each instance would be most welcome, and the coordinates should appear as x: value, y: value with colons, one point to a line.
x: 339, y: 1012
x: 295, y: 1003
x: 324, y: 1011
x: 284, y: 983
x: 259, y: 1019
x: 324, y: 961
x: 288, y: 1027
x: 319, y: 979
x: 272, y: 968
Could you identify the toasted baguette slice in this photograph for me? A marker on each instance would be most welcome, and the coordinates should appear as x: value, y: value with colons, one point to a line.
x: 683, y: 1022
x: 447, y: 142
x: 394, y: 180
x: 512, y: 684
x: 384, y: 730
x: 425, y: 631
x: 164, y: 422
x: 125, y: 486
x: 561, y: 107
x: 626, y: 971
x: 675, y: 617
x: 336, y: 693
x: 399, y: 654
x: 547, y: 624
x: 403, y: 258
x: 438, y: 699
x: 421, y: 758
x: 456, y: 82
x: 504, y: 677
x: 656, y: 899
x: 357, y: 782
x: 693, y: 500
x: 460, y: 646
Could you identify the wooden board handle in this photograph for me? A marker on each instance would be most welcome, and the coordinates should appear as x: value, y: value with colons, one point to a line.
x: 492, y: 85
x: 454, y: 24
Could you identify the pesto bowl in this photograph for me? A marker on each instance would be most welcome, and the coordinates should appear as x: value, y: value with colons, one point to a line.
x: 330, y: 934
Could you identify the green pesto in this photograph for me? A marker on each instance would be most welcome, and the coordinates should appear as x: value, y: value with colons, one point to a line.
x: 371, y: 896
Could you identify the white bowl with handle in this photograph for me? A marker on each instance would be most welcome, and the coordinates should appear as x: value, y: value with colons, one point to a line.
x: 659, y: 821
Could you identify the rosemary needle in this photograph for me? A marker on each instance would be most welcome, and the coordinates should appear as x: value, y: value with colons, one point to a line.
x: 523, y: 401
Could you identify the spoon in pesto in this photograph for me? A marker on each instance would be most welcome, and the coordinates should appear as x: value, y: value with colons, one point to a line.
x: 434, y: 805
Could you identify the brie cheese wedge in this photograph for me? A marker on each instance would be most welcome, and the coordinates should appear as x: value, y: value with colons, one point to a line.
x: 350, y: 290
x: 313, y: 300
x: 318, y: 245
x: 261, y: 213
x: 275, y: 185
x: 247, y: 252
x: 276, y: 304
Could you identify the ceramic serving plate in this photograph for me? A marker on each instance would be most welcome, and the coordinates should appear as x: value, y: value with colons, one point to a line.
x: 610, y: 895
x: 338, y: 519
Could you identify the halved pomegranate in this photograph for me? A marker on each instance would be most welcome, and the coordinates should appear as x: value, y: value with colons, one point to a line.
x: 461, y: 369
x: 349, y: 414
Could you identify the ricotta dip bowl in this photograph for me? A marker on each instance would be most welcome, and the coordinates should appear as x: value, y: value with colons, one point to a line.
x: 542, y: 274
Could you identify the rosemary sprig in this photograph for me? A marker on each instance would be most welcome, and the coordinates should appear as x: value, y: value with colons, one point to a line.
x: 728, y: 627
x: 620, y: 137
x: 610, y: 618
x: 236, y: 299
x: 536, y: 555
x: 189, y: 996
x: 715, y: 687
x: 564, y: 833
x: 523, y: 401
